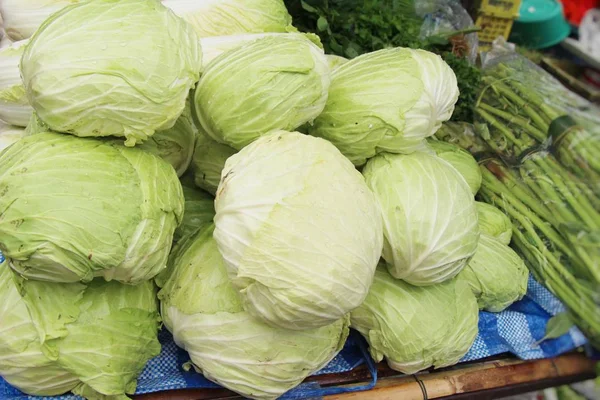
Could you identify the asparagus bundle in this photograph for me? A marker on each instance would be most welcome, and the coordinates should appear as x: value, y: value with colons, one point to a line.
x: 518, y: 96
x: 556, y: 223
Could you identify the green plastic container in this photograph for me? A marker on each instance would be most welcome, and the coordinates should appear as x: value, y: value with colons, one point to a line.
x: 541, y: 24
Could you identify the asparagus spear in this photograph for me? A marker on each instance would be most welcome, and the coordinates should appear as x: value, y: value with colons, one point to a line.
x: 552, y: 218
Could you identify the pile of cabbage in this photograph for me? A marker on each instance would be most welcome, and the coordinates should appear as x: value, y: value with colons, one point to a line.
x: 205, y: 166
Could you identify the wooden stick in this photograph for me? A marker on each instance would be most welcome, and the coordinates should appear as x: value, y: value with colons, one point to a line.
x: 485, y: 376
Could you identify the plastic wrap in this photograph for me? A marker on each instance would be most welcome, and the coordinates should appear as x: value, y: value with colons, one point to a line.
x: 555, y: 215
x: 529, y: 111
x: 538, y: 145
x: 444, y: 16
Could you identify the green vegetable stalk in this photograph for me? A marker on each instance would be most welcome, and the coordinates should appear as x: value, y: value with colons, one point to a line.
x: 555, y: 218
x: 509, y: 102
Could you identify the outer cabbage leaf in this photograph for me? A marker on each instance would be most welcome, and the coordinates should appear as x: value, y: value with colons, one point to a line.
x: 232, y: 17
x: 494, y: 222
x: 23, y: 17
x: 461, y: 160
x: 414, y: 327
x: 388, y: 100
x: 335, y: 61
x: 10, y: 134
x: 130, y: 78
x: 92, y: 340
x: 14, y: 106
x: 230, y: 347
x: 214, y: 46
x: 496, y: 274
x: 429, y: 216
x: 208, y: 162
x: 277, y: 82
x: 76, y: 208
x: 199, y: 211
x: 175, y: 145
x: 299, y: 230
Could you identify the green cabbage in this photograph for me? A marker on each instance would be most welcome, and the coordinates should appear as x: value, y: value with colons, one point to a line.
x: 175, y: 145
x: 460, y: 159
x: 388, y: 100
x: 208, y: 162
x: 496, y: 274
x: 277, y: 82
x: 204, y: 311
x: 94, y: 340
x: 232, y: 17
x: 414, y: 327
x: 214, y: 46
x: 125, y: 71
x: 494, y: 222
x: 299, y: 230
x: 430, y: 219
x: 9, y: 134
x: 14, y: 106
x: 72, y: 209
x: 23, y: 17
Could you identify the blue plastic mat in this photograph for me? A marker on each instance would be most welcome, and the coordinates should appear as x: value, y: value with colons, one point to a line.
x: 516, y: 330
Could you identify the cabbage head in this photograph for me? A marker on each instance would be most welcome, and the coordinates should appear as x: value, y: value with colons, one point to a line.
x: 125, y: 71
x: 386, y: 101
x: 208, y: 162
x: 429, y: 216
x: 14, y: 106
x: 72, y: 209
x: 277, y: 82
x: 57, y: 337
x: 299, y: 230
x: 10, y: 134
x: 496, y: 274
x: 214, y: 46
x: 233, y: 17
x: 415, y: 328
x: 23, y: 17
x: 494, y: 222
x: 175, y: 145
x: 205, y: 313
x: 461, y: 160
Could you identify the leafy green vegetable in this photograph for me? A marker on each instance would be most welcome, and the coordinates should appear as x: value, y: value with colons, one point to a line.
x: 496, y: 274
x: 276, y: 82
x: 388, y: 100
x: 233, y: 17
x: 461, y: 160
x: 429, y: 214
x: 125, y: 71
x: 73, y: 209
x: 176, y: 144
x: 214, y: 46
x: 204, y: 311
x: 93, y: 340
x: 415, y: 328
x: 558, y: 325
x: 494, y: 222
x: 299, y: 230
x: 350, y: 28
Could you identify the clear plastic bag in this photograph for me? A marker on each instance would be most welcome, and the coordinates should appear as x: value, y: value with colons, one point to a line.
x: 555, y: 214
